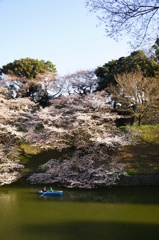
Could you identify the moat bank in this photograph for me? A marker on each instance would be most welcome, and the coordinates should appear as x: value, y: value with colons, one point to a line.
x: 139, y: 180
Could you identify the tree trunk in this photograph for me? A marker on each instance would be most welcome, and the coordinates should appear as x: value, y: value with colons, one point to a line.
x: 139, y: 120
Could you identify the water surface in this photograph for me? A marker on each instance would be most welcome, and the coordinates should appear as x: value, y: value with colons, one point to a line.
x: 113, y: 213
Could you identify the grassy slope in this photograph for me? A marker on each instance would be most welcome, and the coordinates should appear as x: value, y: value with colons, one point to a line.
x: 141, y: 157
x: 32, y: 157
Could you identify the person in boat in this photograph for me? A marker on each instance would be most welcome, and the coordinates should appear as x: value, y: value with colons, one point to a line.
x: 44, y: 189
x: 51, y: 190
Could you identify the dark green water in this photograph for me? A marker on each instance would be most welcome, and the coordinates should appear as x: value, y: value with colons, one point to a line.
x: 111, y: 214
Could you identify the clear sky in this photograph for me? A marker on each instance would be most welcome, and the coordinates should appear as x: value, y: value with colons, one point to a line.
x: 61, y: 31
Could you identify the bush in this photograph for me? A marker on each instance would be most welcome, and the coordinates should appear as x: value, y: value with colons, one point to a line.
x: 39, y: 127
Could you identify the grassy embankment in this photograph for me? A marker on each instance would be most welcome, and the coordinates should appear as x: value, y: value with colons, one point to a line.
x: 32, y: 157
x: 142, y: 157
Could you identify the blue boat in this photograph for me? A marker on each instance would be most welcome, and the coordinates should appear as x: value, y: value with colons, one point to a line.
x: 48, y: 193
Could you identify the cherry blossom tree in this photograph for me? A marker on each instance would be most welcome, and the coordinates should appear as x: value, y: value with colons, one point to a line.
x: 82, y: 82
x: 136, y: 18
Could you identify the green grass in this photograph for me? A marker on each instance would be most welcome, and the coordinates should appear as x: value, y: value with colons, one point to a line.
x: 149, y: 133
x: 32, y: 156
x: 142, y: 157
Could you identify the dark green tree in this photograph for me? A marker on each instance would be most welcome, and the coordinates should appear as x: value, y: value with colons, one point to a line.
x: 32, y: 78
x: 156, y: 48
x: 28, y: 68
x: 137, y: 61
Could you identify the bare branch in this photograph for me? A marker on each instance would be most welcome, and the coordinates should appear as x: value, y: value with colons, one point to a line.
x: 82, y: 82
x: 139, y: 18
x: 136, y: 93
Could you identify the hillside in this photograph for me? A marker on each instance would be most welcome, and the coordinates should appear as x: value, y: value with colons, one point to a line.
x: 73, y: 142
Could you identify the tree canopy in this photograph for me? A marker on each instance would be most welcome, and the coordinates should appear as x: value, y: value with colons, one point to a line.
x: 136, y: 61
x: 81, y: 82
x: 29, y: 77
x: 28, y: 68
x: 138, y: 18
x: 156, y: 49
x: 136, y: 94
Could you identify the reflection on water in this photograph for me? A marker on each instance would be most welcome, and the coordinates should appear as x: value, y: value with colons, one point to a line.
x: 7, y: 198
x: 136, y: 195
x: 110, y: 213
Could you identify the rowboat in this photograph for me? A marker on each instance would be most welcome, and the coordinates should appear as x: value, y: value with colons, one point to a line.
x: 48, y: 193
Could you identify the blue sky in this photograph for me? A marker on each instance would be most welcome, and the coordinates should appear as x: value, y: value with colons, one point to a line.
x: 62, y: 31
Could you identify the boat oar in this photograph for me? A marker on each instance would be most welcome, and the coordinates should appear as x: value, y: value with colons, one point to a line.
x: 44, y: 193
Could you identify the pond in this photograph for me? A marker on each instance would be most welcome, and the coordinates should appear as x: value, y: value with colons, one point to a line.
x: 110, y: 213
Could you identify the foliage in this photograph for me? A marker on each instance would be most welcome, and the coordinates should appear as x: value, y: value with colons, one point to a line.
x: 39, y: 127
x: 156, y: 48
x: 137, y: 18
x: 35, y: 90
x: 30, y: 78
x: 136, y: 93
x: 32, y: 156
x: 87, y: 122
x: 21, y: 129
x: 137, y: 61
x: 27, y: 68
